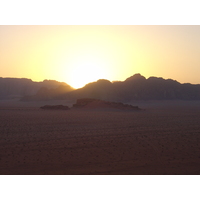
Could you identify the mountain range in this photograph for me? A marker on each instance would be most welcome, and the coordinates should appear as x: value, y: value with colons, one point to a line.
x: 11, y: 88
x: 136, y: 87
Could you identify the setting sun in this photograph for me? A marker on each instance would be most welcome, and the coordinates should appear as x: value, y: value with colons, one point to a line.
x: 87, y: 70
x: 78, y: 55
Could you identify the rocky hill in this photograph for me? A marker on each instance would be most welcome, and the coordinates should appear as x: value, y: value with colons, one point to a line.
x: 137, y: 87
x: 54, y: 107
x: 18, y: 88
x: 89, y: 103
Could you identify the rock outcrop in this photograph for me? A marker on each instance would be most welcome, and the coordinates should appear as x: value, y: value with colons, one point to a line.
x: 26, y: 89
x: 91, y: 103
x: 55, y: 107
x: 137, y: 87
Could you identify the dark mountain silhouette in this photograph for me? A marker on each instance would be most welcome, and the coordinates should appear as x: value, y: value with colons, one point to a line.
x: 137, y: 87
x: 17, y: 88
x: 136, y: 77
x: 45, y: 93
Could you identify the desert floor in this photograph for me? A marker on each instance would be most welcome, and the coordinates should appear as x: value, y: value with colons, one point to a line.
x: 162, y: 139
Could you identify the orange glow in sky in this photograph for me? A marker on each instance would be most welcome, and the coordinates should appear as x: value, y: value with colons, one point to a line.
x: 81, y: 54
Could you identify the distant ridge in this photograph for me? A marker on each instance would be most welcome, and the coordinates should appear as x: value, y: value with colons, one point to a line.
x: 136, y: 77
x: 19, y: 87
x: 135, y: 87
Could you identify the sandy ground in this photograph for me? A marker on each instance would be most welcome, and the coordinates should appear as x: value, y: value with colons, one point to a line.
x: 162, y: 139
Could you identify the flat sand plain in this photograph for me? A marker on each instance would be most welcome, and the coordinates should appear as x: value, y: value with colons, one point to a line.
x: 162, y: 139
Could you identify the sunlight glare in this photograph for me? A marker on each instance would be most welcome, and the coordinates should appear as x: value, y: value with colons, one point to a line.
x: 84, y: 72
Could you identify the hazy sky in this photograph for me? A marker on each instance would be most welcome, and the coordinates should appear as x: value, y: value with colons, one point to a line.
x: 81, y: 54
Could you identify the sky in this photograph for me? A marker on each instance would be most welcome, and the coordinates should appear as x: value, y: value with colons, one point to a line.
x: 78, y: 54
